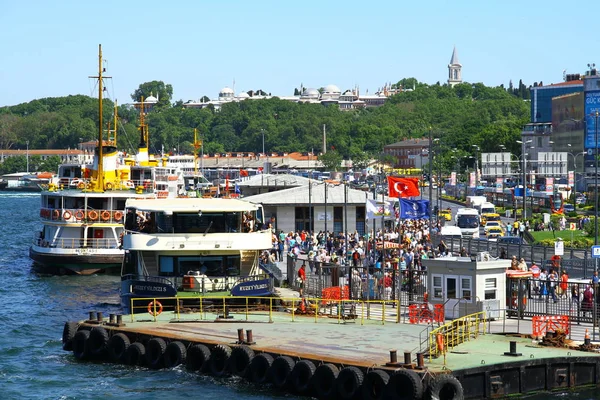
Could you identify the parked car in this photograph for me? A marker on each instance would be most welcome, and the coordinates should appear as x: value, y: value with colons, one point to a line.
x: 510, y: 240
x: 494, y: 232
x: 568, y: 207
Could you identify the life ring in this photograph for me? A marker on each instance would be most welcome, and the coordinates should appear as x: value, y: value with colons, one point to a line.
x: 118, y: 215
x: 445, y: 386
x: 79, y: 214
x: 198, y: 357
x: 348, y: 382
x: 155, y: 349
x: 259, y: 368
x: 175, y: 354
x: 117, y: 347
x: 41, y: 212
x: 219, y: 359
x: 55, y: 214
x: 155, y: 308
x: 105, y: 215
x: 373, y: 387
x: 81, y: 185
x: 97, y: 341
x: 281, y: 370
x: 93, y: 215
x: 324, y: 380
x: 404, y: 383
x: 135, y: 354
x: 302, y: 376
x: 108, y: 186
x: 240, y: 360
x: 67, y: 215
x: 130, y: 184
x: 147, y: 184
x: 440, y: 342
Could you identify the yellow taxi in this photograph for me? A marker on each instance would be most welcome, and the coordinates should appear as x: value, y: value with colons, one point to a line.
x: 494, y: 232
x: 489, y: 217
x: 447, y: 214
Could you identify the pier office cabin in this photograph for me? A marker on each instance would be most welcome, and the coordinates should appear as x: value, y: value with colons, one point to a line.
x: 194, y: 246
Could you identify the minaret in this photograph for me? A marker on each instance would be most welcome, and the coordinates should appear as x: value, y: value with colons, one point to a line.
x: 454, y: 69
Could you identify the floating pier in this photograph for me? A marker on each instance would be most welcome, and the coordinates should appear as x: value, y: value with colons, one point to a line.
x: 346, y: 349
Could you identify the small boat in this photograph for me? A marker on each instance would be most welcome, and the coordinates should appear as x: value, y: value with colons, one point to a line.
x: 24, y: 182
x: 193, y: 247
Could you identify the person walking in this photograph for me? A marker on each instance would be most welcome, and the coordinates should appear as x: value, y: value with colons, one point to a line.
x: 553, y: 280
x: 301, y: 279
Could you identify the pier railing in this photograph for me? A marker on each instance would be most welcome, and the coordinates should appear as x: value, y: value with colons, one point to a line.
x: 455, y: 332
x: 265, y: 309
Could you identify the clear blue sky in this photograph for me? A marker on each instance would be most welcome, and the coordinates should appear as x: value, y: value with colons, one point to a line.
x: 49, y: 48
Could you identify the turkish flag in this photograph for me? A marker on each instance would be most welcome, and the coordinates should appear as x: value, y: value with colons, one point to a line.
x: 403, y: 187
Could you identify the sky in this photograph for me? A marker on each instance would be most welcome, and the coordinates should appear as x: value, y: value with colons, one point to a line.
x: 50, y: 48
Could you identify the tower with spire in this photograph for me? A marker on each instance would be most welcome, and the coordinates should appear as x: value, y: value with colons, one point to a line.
x: 454, y: 69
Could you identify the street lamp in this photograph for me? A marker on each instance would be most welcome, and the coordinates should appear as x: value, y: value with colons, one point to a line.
x: 524, y: 156
x: 595, y: 115
x: 478, y: 149
x: 27, y: 156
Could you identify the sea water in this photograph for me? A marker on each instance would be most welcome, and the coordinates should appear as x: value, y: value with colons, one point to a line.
x: 34, y: 308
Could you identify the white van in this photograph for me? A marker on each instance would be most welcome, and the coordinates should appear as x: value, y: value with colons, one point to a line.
x: 449, y: 231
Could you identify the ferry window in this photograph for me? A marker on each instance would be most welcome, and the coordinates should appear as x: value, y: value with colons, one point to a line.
x: 465, y: 287
x: 437, y: 287
x: 490, y: 288
x: 166, y: 266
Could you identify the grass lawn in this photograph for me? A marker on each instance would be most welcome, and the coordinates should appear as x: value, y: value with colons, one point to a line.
x: 565, y: 235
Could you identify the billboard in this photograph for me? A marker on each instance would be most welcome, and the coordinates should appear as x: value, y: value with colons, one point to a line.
x: 499, y: 185
x: 591, y: 86
x: 453, y: 179
x: 568, y: 112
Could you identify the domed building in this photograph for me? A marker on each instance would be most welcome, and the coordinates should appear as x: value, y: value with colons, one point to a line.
x: 243, y: 96
x: 310, y: 95
x: 226, y: 94
x: 331, y: 92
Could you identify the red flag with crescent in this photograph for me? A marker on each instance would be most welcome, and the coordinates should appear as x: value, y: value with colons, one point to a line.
x: 403, y: 187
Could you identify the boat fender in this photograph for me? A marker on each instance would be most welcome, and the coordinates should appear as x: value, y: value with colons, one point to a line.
x: 69, y: 331
x: 155, y: 349
x: 155, y: 308
x: 241, y: 357
x: 105, y: 215
x: 79, y: 214
x: 81, y: 345
x: 259, y: 368
x: 280, y: 371
x: 98, y: 341
x: 323, y: 381
x: 67, y: 215
x: 135, y: 354
x: 117, y: 347
x: 175, y: 354
x: 302, y: 375
x: 348, y: 382
x: 445, y: 387
x: 108, y: 186
x: 374, y: 384
x: 218, y: 360
x: 198, y: 357
x: 406, y: 384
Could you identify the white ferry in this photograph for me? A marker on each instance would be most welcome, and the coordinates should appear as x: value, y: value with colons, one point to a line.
x: 193, y: 247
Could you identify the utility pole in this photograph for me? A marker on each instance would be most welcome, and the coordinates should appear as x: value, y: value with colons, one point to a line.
x: 430, y: 188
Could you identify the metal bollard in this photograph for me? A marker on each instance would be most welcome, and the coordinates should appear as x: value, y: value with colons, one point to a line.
x: 407, y: 357
x: 420, y: 360
x: 249, y: 338
x: 92, y: 316
x: 119, y: 319
x: 111, y: 318
x: 241, y: 335
x: 99, y: 316
x: 393, y: 357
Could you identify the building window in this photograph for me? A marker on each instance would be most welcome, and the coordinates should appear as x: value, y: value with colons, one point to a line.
x: 437, y: 287
x: 338, y: 220
x: 465, y: 288
x: 302, y: 220
x: 490, y: 288
x: 360, y: 220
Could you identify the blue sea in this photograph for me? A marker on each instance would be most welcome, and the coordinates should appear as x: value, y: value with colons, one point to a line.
x: 34, y: 308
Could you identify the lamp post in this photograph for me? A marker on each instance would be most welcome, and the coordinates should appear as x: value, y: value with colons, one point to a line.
x: 27, y: 156
x: 595, y: 115
x: 524, y: 160
x: 430, y: 157
x: 477, y: 151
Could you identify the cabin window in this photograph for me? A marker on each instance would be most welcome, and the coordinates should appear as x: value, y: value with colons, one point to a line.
x: 490, y: 288
x: 167, y: 267
x: 465, y: 287
x: 437, y: 287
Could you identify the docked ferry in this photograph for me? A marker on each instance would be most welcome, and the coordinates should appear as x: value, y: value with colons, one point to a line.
x: 193, y: 247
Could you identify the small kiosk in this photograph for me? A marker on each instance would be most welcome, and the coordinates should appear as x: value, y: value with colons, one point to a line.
x: 465, y: 285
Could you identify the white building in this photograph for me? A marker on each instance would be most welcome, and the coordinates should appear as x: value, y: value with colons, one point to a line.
x: 454, y: 69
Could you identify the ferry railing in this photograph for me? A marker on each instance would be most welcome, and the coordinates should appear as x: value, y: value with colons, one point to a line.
x: 455, y: 332
x: 79, y: 215
x: 266, y: 309
x: 81, y: 245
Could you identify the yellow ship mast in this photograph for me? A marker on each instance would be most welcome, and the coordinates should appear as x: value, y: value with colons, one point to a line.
x: 197, y: 145
x: 99, y: 186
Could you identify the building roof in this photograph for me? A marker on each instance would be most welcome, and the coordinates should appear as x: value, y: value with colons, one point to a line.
x: 300, y: 196
x: 454, y: 59
x: 410, y: 143
x: 275, y: 180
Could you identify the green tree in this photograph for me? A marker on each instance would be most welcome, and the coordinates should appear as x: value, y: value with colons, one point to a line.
x: 50, y: 164
x: 332, y: 160
x: 158, y: 89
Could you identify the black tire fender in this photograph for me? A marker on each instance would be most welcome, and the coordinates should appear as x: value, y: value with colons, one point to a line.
x: 445, y: 387
x: 69, y: 331
x: 117, y: 347
x: 219, y: 358
x: 281, y: 370
x: 324, y: 379
x: 98, y: 341
x: 259, y: 368
x: 155, y: 349
x: 135, y: 354
x: 198, y: 358
x: 81, y: 345
x: 348, y: 382
x: 175, y: 354
x: 374, y: 385
x: 302, y: 376
x: 241, y: 357
x: 404, y: 384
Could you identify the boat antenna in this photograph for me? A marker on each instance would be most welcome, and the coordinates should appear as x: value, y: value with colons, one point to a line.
x: 208, y: 228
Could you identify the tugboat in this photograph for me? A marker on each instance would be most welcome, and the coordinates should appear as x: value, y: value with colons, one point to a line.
x: 82, y: 210
x: 193, y: 247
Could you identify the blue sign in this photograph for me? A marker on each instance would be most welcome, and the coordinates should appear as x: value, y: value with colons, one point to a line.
x: 259, y: 287
x: 592, y: 105
x: 414, y: 209
x: 595, y: 251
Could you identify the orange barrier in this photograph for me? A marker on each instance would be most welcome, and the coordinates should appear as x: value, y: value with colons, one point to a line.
x: 335, y: 293
x: 540, y: 324
x: 423, y: 313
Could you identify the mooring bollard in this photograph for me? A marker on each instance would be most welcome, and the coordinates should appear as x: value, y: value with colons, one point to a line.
x: 420, y: 360
x: 99, y: 316
x: 249, y: 338
x: 407, y: 357
x: 513, y: 350
x: 393, y: 357
x: 119, y: 319
x: 240, y: 335
x: 92, y: 316
x: 111, y: 318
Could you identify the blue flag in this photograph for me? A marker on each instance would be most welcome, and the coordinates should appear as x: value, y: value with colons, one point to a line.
x: 414, y: 209
x: 237, y: 189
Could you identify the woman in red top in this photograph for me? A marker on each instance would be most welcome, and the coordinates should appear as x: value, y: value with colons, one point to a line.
x: 301, y: 278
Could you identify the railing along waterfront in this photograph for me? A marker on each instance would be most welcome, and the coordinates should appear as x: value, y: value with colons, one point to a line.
x: 455, y: 332
x: 267, y: 309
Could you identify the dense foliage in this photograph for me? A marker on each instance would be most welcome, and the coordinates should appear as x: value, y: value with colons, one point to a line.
x: 460, y: 116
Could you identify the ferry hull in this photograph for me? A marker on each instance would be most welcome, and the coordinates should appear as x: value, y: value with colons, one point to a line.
x: 80, y: 264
